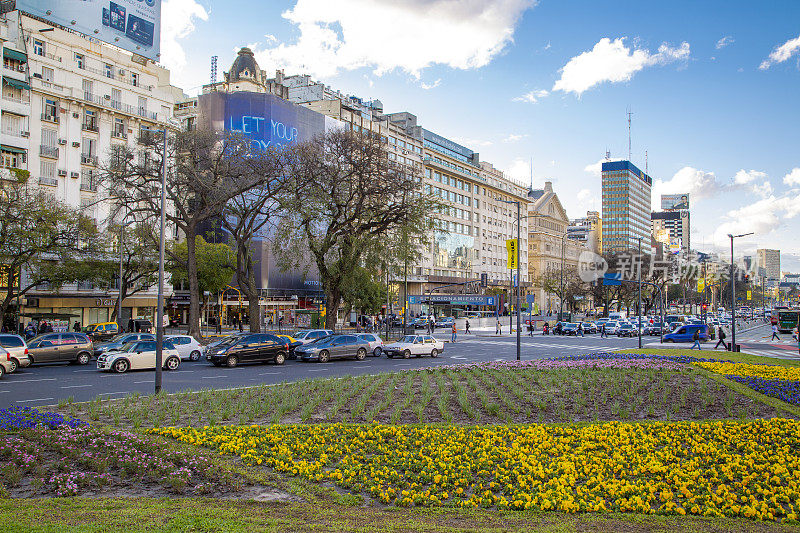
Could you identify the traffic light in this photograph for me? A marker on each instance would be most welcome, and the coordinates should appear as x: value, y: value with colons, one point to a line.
x: 484, y: 280
x: 705, y: 307
x: 747, y: 278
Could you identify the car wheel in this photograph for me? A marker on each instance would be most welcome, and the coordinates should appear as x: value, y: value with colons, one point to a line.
x: 668, y: 340
x: 2, y: 371
x: 280, y: 358
x: 13, y: 365
x: 121, y: 366
x: 83, y: 358
x: 194, y: 356
x: 324, y: 356
x: 172, y: 363
x: 361, y: 354
x: 232, y: 361
x: 376, y: 352
x: 407, y: 354
x: 434, y: 353
x: 390, y: 356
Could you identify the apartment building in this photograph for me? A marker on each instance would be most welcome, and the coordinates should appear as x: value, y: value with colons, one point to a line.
x: 67, y: 100
x: 626, y: 207
x: 672, y: 229
x: 588, y: 230
x: 770, y: 261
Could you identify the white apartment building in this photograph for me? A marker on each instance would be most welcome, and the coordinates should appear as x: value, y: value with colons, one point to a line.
x: 67, y: 100
x: 770, y: 261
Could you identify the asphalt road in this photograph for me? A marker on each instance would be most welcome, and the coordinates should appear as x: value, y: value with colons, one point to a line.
x: 48, y: 384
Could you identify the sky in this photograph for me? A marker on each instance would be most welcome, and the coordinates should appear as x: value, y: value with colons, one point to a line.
x: 712, y: 87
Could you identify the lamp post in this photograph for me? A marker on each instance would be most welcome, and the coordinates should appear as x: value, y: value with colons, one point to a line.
x: 733, y: 294
x: 561, y: 296
x: 639, y: 297
x: 162, y: 229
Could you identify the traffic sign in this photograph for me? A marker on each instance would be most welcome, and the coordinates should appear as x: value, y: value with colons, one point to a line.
x: 513, y: 253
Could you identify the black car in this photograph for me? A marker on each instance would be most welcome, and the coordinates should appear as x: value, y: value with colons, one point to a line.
x: 250, y: 348
x: 569, y: 328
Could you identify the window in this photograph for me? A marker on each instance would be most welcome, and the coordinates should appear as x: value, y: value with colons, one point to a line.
x: 80, y: 60
x: 90, y: 120
x: 87, y: 89
x: 47, y: 74
x: 134, y: 79
x: 119, y: 128
x: 50, y: 109
x: 88, y: 147
x: 116, y: 98
x: 47, y: 169
x: 108, y: 70
x: 49, y: 137
x: 38, y: 47
x: 142, y: 105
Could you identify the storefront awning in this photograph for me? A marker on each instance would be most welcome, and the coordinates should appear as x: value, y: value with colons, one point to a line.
x: 12, y: 149
x: 52, y: 316
x: 19, y: 84
x: 15, y: 54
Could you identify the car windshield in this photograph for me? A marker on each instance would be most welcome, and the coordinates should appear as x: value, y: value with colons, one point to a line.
x: 119, y: 338
x: 128, y: 346
x: 301, y: 334
x: 408, y: 339
x: 227, y: 341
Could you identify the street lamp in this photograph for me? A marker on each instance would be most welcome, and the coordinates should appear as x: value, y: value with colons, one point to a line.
x: 733, y: 294
x: 561, y: 296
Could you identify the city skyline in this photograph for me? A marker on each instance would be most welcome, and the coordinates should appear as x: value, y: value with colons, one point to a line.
x: 709, y: 94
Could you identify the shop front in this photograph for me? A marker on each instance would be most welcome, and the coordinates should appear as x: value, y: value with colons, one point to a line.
x: 85, y: 310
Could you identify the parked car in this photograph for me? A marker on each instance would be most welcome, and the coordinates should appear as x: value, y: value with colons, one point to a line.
x: 101, y: 331
x: 5, y: 364
x: 569, y: 328
x: 332, y: 347
x: 445, y: 322
x: 17, y: 351
x: 417, y: 345
x: 421, y: 322
x: 139, y: 355
x: 308, y: 335
x: 611, y: 327
x: 140, y: 325
x: 187, y: 346
x: 589, y: 327
x: 120, y: 340
x: 59, y: 347
x: 291, y: 344
x: 652, y: 329
x: 627, y: 330
x: 249, y: 348
x: 685, y: 333
x: 375, y: 343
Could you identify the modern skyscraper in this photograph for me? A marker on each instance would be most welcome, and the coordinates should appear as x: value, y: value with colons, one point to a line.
x: 671, y: 228
x: 770, y: 261
x: 626, y: 206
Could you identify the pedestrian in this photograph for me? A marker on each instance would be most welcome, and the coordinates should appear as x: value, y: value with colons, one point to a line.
x: 546, y: 329
x: 76, y: 327
x: 497, y: 329
x: 603, y: 330
x: 453, y: 331
x: 696, y: 339
x: 580, y: 329
x: 466, y: 327
x: 433, y: 324
x: 721, y: 335
x: 775, y: 333
x: 531, y: 327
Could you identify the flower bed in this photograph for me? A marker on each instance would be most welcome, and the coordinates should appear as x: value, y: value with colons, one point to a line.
x: 750, y: 370
x: 727, y: 468
x: 572, y: 362
x: 26, y: 418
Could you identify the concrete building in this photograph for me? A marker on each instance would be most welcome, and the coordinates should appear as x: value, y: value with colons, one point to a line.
x: 672, y: 229
x: 67, y: 100
x: 626, y: 206
x: 588, y: 230
x: 770, y: 261
x: 550, y: 245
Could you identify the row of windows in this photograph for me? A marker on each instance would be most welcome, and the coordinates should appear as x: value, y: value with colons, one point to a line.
x: 450, y: 180
x: 108, y: 70
x: 450, y: 196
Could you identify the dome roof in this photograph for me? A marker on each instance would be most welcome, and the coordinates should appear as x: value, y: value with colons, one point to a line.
x: 244, y: 67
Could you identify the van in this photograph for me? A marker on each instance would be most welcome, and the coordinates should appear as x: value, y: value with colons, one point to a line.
x: 101, y: 331
x: 685, y: 333
x: 617, y: 316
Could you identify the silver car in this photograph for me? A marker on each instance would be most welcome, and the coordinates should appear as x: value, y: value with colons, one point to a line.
x: 17, y: 351
x: 333, y: 346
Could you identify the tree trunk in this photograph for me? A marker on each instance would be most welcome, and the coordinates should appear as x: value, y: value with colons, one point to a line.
x: 247, y: 283
x: 121, y: 295
x: 334, y: 297
x: 194, y: 286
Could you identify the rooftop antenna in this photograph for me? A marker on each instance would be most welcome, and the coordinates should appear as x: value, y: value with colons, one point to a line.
x: 214, y: 69
x: 629, y: 132
x: 645, y: 162
x: 531, y: 173
x: 608, y: 154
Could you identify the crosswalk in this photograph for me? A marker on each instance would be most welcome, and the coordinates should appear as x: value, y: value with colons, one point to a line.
x: 582, y: 347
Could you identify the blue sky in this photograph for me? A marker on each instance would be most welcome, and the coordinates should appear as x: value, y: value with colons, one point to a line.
x: 712, y: 86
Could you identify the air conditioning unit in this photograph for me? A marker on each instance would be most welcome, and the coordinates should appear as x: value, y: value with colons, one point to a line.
x: 121, y: 72
x: 25, y: 134
x: 62, y: 173
x: 37, y: 75
x: 62, y: 141
x: 76, y: 115
x: 107, y: 96
x: 75, y: 144
x: 74, y: 175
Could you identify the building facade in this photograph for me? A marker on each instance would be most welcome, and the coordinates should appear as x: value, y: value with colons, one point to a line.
x: 770, y: 261
x: 588, y: 230
x: 671, y: 228
x: 626, y: 206
x: 67, y: 101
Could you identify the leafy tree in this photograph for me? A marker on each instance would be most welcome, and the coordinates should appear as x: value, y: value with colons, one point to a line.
x: 347, y: 201
x: 215, y: 264
x: 365, y: 292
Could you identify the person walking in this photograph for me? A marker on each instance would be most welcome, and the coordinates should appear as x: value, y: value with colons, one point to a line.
x: 775, y: 333
x: 603, y: 333
x: 721, y: 335
x: 696, y: 339
x: 76, y: 327
x: 531, y: 327
x: 497, y: 329
x: 453, y: 331
x: 580, y: 329
x: 466, y: 327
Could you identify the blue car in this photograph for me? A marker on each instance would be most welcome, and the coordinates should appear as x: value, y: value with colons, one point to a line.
x: 685, y: 333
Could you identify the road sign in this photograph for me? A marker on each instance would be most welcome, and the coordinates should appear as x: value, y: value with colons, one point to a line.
x: 612, y: 278
x: 513, y: 253
x: 530, y: 298
x: 701, y: 284
x: 465, y: 299
x: 749, y: 295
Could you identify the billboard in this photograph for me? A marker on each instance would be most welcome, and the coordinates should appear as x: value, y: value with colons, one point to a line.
x: 134, y: 25
x: 671, y: 202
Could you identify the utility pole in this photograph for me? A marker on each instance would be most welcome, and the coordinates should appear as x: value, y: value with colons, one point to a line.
x: 639, y: 305
x: 519, y: 281
x: 160, y: 310
x: 733, y: 294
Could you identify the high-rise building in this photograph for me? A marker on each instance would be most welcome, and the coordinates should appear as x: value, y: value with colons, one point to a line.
x: 671, y: 228
x: 587, y: 230
x: 626, y: 206
x: 770, y: 261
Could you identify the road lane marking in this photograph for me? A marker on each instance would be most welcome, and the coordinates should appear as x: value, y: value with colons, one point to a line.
x: 318, y: 370
x: 32, y: 380
x: 213, y: 377
x: 269, y: 373
x: 76, y: 386
x: 34, y: 400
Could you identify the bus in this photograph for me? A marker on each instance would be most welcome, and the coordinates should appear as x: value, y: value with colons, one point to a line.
x: 788, y: 320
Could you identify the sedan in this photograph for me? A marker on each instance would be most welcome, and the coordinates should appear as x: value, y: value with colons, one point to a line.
x: 120, y: 340
x: 248, y: 348
x: 310, y: 335
x: 332, y: 347
x: 417, y: 345
x: 569, y: 328
x: 375, y: 343
x: 187, y: 346
x: 291, y: 344
x: 139, y: 355
x: 627, y: 330
x: 589, y: 327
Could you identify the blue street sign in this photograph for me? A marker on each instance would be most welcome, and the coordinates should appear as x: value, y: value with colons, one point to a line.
x: 463, y: 299
x: 612, y: 278
x: 530, y: 299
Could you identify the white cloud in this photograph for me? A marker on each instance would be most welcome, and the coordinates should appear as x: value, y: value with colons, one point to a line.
x: 793, y: 177
x: 781, y: 53
x: 743, y: 177
x: 698, y: 183
x: 531, y: 97
x: 725, y: 41
x: 513, y: 137
x: 428, y: 86
x: 763, y: 190
x: 348, y: 34
x: 472, y: 143
x: 519, y: 169
x: 613, y: 62
x: 761, y: 217
x: 596, y: 169
x: 586, y: 201
x: 178, y: 19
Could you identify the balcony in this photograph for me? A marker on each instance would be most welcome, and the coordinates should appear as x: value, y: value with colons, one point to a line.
x: 87, y: 159
x: 117, y: 77
x: 50, y: 118
x: 46, y: 180
x: 48, y: 151
x: 119, y: 134
x: 90, y: 125
x: 89, y: 187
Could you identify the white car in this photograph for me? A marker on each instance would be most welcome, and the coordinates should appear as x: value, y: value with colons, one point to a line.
x: 418, y: 345
x: 138, y: 355
x: 310, y: 335
x: 187, y: 346
x: 612, y: 327
x: 375, y: 343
